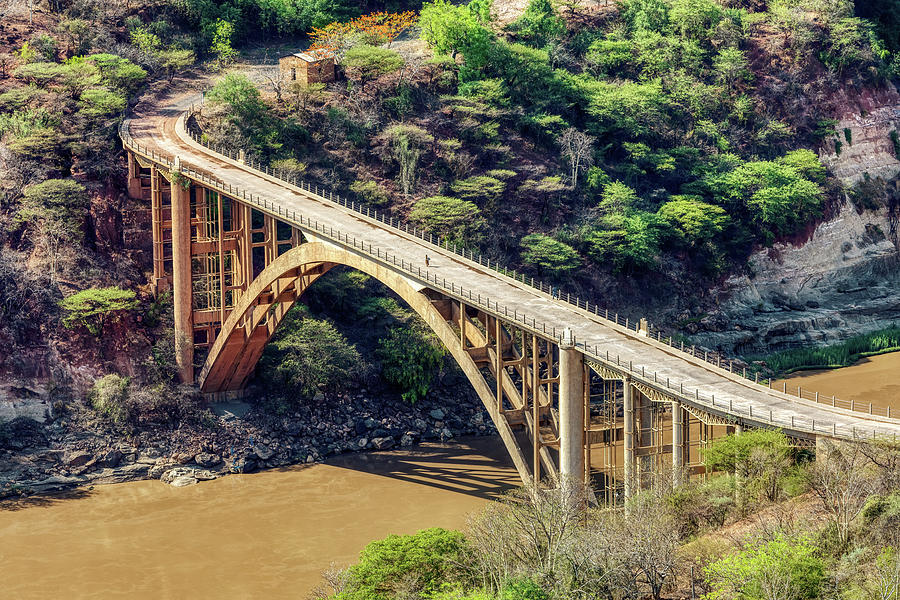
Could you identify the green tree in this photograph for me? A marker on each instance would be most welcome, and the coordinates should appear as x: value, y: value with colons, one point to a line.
x: 422, y: 561
x: 780, y: 569
x: 617, y: 198
x: 548, y: 255
x: 693, y: 221
x: 539, y: 24
x: 93, y: 307
x: 368, y: 62
x: 480, y: 188
x: 626, y: 241
x: 761, y: 457
x: 458, y: 221
x: 410, y: 358
x: 221, y: 42
x: 57, y: 204
x: 451, y: 29
x: 305, y: 356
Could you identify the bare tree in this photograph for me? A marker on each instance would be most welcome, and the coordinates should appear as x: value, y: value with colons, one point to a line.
x: 578, y: 147
x: 277, y: 79
x: 843, y: 478
x: 884, y: 582
x: 646, y: 537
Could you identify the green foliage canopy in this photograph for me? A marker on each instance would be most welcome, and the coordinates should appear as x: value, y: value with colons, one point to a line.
x: 410, y: 359
x: 91, y: 308
x: 459, y: 221
x: 548, y: 255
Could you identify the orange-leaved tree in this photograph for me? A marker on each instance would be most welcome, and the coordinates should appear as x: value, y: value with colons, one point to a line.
x: 374, y: 29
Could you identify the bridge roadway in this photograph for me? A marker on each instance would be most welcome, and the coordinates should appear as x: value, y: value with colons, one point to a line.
x: 157, y: 131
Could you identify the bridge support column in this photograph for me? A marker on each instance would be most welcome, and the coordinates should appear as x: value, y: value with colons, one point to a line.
x: 134, y: 179
x: 677, y: 442
x: 181, y: 281
x: 571, y: 412
x: 628, y: 401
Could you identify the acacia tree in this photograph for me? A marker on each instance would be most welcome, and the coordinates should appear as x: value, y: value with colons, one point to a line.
x: 92, y: 308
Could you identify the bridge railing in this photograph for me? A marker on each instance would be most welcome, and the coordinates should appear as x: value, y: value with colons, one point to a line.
x: 694, y: 396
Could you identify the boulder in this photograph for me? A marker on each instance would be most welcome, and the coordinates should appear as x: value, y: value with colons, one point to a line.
x: 205, y: 459
x: 111, y: 459
x: 437, y: 414
x: 78, y: 459
x: 263, y: 452
x: 361, y: 442
x: 406, y: 440
x: 183, y: 481
x: 383, y: 443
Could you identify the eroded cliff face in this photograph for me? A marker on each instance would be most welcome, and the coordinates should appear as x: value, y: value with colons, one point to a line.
x: 845, y: 279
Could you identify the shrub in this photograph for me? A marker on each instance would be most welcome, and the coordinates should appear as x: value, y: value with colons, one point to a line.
x: 370, y: 192
x: 368, y: 62
x: 109, y: 398
x: 58, y: 205
x: 91, y: 308
x: 789, y: 568
x: 399, y: 564
x: 305, y: 356
x: 548, y: 255
x: 410, y: 360
x: 459, y: 221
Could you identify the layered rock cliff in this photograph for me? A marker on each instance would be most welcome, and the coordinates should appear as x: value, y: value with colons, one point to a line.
x: 842, y: 280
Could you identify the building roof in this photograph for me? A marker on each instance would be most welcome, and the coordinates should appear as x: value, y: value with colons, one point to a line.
x: 314, y: 56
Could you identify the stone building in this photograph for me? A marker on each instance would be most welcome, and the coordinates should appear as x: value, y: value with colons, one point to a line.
x: 308, y: 67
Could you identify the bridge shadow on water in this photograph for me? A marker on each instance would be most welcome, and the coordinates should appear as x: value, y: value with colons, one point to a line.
x: 475, y: 466
x: 45, y: 500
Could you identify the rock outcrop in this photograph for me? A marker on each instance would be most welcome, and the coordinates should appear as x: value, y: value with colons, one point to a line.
x: 845, y: 279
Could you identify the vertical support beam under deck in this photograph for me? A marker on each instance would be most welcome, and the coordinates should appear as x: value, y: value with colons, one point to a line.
x: 499, y: 373
x: 181, y: 281
x: 571, y: 412
x: 628, y: 398
x: 677, y: 442
x: 134, y: 177
x: 536, y: 408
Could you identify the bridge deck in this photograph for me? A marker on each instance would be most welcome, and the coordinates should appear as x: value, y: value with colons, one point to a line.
x: 648, y: 361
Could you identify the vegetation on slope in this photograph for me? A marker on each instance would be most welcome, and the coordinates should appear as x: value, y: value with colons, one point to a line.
x: 770, y: 525
x: 651, y: 142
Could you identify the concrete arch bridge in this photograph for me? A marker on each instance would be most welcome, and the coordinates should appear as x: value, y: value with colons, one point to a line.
x: 575, y: 391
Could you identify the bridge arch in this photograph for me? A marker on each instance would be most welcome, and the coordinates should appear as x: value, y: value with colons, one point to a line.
x: 261, y: 309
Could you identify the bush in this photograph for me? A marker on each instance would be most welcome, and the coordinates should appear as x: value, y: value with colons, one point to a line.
x: 305, y: 356
x: 761, y: 456
x: 109, y: 397
x: 791, y: 567
x: 404, y: 564
x: 548, y: 255
x: 370, y: 192
x: 487, y: 190
x: 368, y: 62
x: 838, y: 355
x: 626, y: 241
x: 459, y: 221
x: 539, y: 24
x: 92, y: 308
x: 410, y: 360
x: 57, y: 205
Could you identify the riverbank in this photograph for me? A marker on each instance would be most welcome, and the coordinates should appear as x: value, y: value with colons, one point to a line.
x: 265, y: 535
x: 870, y: 380
x: 74, y: 450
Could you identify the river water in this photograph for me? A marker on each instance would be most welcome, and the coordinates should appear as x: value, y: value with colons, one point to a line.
x: 875, y: 379
x: 264, y: 535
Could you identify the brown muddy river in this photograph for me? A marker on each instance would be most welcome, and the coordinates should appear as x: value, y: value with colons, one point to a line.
x: 875, y: 379
x: 264, y: 535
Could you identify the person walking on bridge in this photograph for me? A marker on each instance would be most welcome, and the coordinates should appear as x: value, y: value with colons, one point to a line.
x: 427, y: 261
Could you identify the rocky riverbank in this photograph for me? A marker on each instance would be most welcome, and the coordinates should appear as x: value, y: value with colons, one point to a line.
x: 67, y: 452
